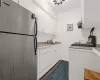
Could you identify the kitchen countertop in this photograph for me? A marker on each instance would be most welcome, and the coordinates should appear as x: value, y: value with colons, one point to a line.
x: 44, y: 44
x: 80, y: 47
x: 96, y: 50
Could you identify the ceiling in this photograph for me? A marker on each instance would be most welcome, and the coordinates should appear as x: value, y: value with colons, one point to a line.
x: 66, y: 6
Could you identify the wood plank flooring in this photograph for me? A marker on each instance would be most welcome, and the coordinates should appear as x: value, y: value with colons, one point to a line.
x: 91, y: 75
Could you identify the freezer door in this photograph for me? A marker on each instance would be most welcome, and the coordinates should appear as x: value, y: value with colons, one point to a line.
x: 16, y: 19
x: 17, y: 57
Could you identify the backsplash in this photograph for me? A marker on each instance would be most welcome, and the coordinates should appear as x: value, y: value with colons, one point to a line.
x: 43, y: 37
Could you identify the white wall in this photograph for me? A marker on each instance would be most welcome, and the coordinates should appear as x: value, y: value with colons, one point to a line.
x: 68, y: 37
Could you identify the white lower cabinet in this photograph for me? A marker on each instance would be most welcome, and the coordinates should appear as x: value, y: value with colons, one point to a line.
x: 47, y: 58
x: 80, y: 60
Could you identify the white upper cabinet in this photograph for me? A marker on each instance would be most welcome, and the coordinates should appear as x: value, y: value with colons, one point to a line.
x: 91, y: 13
x: 16, y: 1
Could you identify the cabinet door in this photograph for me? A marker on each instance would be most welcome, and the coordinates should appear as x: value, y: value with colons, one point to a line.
x: 81, y: 59
x: 56, y: 54
x: 91, y: 13
x: 45, y: 60
x: 45, y: 63
x: 50, y: 24
x: 17, y: 1
x: 25, y: 3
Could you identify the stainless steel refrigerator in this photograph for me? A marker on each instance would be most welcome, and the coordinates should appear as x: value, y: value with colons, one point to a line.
x: 18, y: 42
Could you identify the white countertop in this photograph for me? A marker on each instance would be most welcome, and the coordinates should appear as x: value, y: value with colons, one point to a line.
x: 44, y: 45
x: 96, y: 50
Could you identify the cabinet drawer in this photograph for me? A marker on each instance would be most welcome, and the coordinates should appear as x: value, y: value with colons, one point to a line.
x: 45, y: 50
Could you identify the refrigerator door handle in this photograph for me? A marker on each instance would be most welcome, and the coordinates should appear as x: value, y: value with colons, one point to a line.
x: 35, y: 45
x: 35, y: 27
x: 35, y: 24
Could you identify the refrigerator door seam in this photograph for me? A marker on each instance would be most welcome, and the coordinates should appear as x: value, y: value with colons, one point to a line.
x: 15, y: 33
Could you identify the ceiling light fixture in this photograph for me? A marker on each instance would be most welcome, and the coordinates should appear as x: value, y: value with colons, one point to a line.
x: 58, y: 2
